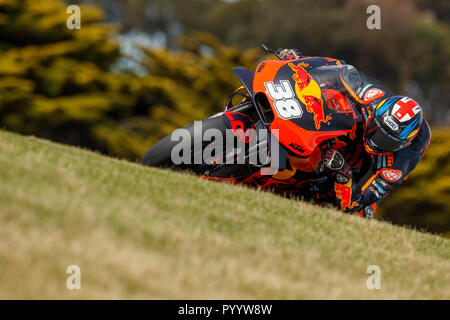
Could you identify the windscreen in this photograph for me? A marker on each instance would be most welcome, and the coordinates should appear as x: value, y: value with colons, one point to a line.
x: 336, y: 81
x: 329, y: 77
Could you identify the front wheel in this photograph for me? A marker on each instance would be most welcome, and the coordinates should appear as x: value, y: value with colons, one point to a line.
x: 160, y: 155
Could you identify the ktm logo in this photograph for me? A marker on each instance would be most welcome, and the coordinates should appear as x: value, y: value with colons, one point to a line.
x: 297, y: 147
x: 391, y: 175
x: 261, y: 66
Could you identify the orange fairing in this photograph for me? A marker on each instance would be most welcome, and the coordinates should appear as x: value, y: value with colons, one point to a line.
x: 309, y: 93
x: 308, y: 164
x: 293, y: 135
x: 266, y: 70
x: 336, y: 100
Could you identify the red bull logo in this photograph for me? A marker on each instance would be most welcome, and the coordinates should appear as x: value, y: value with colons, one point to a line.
x: 309, y: 93
x: 344, y: 194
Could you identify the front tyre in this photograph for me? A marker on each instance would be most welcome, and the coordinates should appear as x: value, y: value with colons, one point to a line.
x: 160, y: 154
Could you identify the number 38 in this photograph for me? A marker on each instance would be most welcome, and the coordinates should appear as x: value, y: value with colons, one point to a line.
x: 287, y: 107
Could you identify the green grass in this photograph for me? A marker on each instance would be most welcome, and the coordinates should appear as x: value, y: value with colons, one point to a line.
x: 138, y: 232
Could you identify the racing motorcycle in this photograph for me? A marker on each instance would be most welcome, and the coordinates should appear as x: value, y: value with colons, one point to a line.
x: 294, y: 110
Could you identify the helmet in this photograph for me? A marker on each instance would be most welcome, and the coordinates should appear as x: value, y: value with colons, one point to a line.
x: 392, y: 126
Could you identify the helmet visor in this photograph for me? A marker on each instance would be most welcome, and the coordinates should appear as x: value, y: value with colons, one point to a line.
x: 380, y: 140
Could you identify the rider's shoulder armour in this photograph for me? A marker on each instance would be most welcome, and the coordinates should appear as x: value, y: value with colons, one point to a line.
x: 372, y: 94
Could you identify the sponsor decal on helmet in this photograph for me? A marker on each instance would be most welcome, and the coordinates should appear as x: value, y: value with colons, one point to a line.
x: 389, y: 121
x: 410, y: 128
x: 405, y: 109
x: 373, y: 94
x: 382, y: 106
x: 391, y: 175
x: 412, y: 134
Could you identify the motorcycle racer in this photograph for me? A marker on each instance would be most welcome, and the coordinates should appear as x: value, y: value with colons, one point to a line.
x: 333, y: 138
x: 395, y: 136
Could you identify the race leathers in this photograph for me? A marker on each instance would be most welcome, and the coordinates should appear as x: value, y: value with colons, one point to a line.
x: 386, y: 171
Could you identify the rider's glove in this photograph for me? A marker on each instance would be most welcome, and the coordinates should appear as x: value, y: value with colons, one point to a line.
x: 289, y: 54
x: 368, y: 212
x: 333, y: 160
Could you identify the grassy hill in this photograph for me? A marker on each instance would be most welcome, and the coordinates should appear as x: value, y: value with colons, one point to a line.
x: 138, y: 232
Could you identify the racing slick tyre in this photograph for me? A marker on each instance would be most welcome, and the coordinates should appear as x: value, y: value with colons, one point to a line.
x: 160, y: 154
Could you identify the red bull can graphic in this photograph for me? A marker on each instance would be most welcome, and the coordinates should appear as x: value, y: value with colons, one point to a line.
x: 309, y: 93
x: 344, y: 194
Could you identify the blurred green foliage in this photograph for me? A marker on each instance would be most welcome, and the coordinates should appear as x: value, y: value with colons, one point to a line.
x: 58, y: 84
x: 182, y: 86
x: 410, y: 54
x: 55, y: 82
x: 197, y: 79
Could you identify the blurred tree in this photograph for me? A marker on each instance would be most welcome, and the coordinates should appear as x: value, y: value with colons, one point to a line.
x: 182, y: 86
x: 55, y: 82
x: 410, y: 54
x: 195, y: 80
x: 440, y: 8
